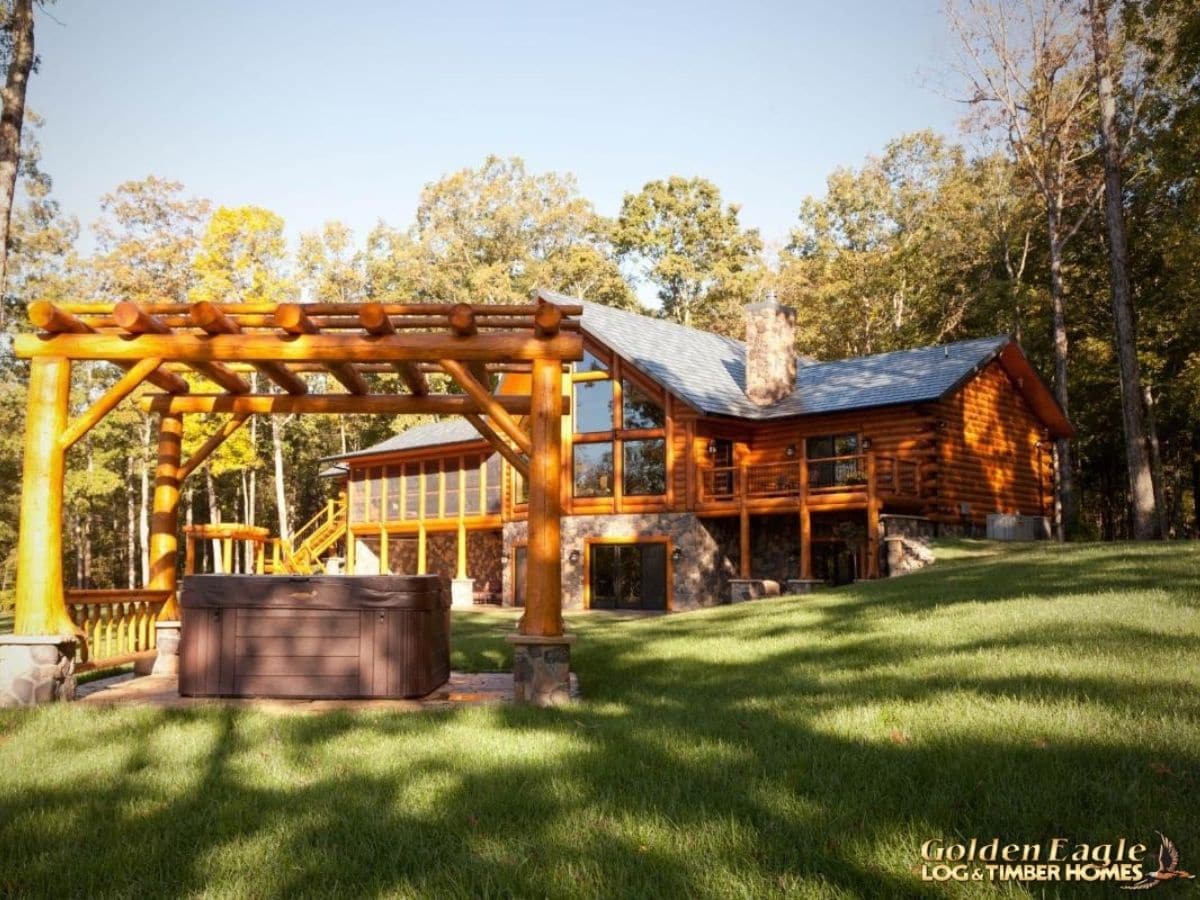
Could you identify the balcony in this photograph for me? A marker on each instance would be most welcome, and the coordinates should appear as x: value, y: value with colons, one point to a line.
x: 823, y: 481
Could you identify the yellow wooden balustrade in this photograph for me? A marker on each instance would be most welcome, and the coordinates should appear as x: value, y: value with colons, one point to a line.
x: 116, y: 626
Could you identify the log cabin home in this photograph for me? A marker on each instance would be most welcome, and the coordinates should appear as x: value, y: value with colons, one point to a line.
x: 699, y: 469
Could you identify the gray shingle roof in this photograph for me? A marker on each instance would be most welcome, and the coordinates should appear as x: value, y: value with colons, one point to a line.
x: 708, y: 372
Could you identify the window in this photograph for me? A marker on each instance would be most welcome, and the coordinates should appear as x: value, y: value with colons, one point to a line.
x: 828, y: 445
x: 358, y: 495
x: 412, y: 490
x: 431, y: 489
x: 471, y: 496
x: 492, y: 474
x: 593, y: 469
x: 394, y: 493
x: 590, y: 363
x: 644, y: 467
x: 593, y: 409
x: 638, y: 411
x: 451, y: 489
x: 828, y: 465
x: 373, y: 497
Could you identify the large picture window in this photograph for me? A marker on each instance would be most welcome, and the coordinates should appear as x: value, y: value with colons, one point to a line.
x: 593, y: 469
x: 593, y: 409
x: 639, y: 411
x: 644, y: 469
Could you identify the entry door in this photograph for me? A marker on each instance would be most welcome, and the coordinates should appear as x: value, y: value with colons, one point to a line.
x: 628, y: 576
x: 520, y: 556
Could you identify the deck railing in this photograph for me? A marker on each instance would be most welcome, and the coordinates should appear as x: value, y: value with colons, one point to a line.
x: 893, y: 476
x: 117, y: 626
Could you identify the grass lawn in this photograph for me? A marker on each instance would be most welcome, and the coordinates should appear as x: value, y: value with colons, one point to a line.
x: 802, y: 746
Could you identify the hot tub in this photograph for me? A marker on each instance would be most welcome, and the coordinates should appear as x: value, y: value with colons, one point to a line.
x: 320, y: 636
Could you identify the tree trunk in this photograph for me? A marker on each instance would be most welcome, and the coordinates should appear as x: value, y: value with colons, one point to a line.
x: 1065, y: 505
x: 1158, y: 479
x: 214, y: 515
x: 1143, y: 498
x: 130, y: 527
x: 280, y: 495
x: 20, y: 63
x: 144, y: 512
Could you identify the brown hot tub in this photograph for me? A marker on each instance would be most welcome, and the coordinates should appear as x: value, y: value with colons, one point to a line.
x: 315, y: 636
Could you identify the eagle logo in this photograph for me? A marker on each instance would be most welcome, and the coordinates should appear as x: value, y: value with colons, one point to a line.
x: 1168, y: 867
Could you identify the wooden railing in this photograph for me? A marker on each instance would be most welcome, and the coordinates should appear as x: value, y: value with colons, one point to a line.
x: 117, y: 626
x: 893, y: 476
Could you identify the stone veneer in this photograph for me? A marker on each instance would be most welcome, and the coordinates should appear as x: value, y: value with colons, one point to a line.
x: 770, y: 352
x: 36, y: 669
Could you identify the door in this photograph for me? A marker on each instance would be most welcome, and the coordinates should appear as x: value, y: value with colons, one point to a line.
x: 520, y: 556
x: 628, y: 576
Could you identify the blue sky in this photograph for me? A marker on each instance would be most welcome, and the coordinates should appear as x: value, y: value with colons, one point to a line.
x: 328, y: 110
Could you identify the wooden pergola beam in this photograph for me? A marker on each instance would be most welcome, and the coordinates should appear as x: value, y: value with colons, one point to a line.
x: 515, y: 459
x: 463, y: 323
x: 209, y: 317
x: 127, y: 384
x: 292, y: 319
x: 376, y: 321
x: 488, y: 402
x: 371, y: 404
x: 214, y: 441
x: 327, y: 309
x: 133, y: 320
x: 263, y: 347
x: 54, y: 320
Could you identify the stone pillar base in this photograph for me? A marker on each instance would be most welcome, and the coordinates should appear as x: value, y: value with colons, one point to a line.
x: 752, y: 589
x: 803, y: 585
x: 541, y: 669
x: 166, y: 640
x: 462, y: 592
x: 36, y: 668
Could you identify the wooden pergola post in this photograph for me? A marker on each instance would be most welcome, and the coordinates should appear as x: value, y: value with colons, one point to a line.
x: 40, y: 609
x: 543, y: 599
x: 164, y: 544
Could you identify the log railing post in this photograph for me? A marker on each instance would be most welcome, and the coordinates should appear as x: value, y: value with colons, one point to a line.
x: 40, y: 606
x: 543, y: 602
x: 164, y: 544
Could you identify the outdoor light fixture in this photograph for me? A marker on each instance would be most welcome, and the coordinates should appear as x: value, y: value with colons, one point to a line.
x: 504, y: 557
x: 866, y: 443
x: 676, y: 555
x: 711, y: 449
x: 790, y: 451
x: 573, y: 559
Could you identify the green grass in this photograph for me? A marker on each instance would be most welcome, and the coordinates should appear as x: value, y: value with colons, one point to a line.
x: 802, y: 746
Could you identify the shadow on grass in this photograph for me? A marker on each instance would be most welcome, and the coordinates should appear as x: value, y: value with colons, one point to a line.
x: 713, y: 757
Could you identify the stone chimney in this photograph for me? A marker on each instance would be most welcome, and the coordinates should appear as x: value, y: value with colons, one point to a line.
x: 770, y: 352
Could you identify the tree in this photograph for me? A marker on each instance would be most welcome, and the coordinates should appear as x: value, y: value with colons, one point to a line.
x: 1027, y: 71
x: 1137, y: 461
x: 492, y: 235
x: 19, y: 62
x: 692, y: 247
x: 242, y: 259
x: 329, y: 267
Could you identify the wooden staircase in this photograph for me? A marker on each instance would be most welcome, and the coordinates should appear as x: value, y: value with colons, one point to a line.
x: 301, y: 555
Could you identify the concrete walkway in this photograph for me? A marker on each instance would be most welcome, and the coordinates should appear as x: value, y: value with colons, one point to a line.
x: 162, y: 692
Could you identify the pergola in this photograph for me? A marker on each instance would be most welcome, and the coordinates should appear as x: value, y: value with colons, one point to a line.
x: 286, y: 343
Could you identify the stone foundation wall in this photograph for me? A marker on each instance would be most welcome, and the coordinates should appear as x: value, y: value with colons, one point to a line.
x: 441, y: 557
x: 699, y: 578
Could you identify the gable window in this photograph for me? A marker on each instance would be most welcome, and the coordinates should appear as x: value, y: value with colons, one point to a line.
x: 638, y: 411
x: 592, y: 465
x: 644, y: 469
x: 593, y: 409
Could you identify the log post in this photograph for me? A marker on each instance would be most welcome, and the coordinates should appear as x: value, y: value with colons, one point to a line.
x: 40, y: 607
x: 872, y: 567
x: 543, y: 602
x: 164, y: 544
x: 384, y: 568
x: 805, y: 519
x: 744, y: 523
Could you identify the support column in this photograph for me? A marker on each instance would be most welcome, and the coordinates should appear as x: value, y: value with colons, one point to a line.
x: 40, y: 609
x: 744, y: 550
x: 164, y: 544
x: 421, y: 555
x: 383, y: 550
x: 462, y: 588
x: 805, y: 518
x: 541, y: 652
x: 872, y: 566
